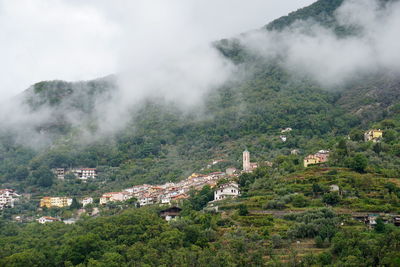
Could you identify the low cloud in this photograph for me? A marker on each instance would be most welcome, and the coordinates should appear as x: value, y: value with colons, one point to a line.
x: 307, y: 48
x: 157, y: 49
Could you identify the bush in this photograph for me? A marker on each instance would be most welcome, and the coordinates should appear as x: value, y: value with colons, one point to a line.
x: 331, y: 198
x: 243, y: 211
x: 358, y: 163
x: 300, y: 201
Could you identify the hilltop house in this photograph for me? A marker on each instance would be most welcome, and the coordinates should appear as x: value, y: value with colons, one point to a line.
x: 47, y: 219
x: 373, y: 135
x: 319, y: 157
x: 7, y: 198
x: 59, y: 202
x: 229, y: 190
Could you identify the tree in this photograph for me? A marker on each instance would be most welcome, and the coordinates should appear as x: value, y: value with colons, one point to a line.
x: 69, y: 176
x: 389, y: 136
x: 331, y: 198
x: 243, y: 211
x: 359, y: 162
x: 356, y: 135
x: 199, y: 199
x: 300, y: 201
x: 43, y: 176
x: 75, y: 204
x: 21, y: 173
x: 380, y: 225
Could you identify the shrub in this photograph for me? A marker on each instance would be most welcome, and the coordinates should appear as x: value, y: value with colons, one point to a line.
x: 331, y: 198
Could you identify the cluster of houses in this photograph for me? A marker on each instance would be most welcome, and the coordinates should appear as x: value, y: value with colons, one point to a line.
x: 165, y: 193
x: 80, y: 173
x: 7, y: 198
x: 162, y: 194
x: 62, y: 202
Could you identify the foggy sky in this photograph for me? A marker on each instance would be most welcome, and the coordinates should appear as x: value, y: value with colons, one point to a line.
x: 79, y: 40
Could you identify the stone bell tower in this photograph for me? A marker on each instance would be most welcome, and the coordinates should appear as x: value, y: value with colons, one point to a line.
x: 246, y: 161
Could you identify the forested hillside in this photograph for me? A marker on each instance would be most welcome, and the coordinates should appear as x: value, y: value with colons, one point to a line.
x: 162, y: 143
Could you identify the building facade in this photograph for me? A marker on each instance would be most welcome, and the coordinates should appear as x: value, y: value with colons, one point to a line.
x: 230, y: 190
x: 55, y: 202
x: 319, y: 157
x: 47, y: 219
x: 373, y: 135
x: 85, y: 173
x: 7, y: 198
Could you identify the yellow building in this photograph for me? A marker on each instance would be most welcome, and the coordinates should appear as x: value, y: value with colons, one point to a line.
x: 59, y: 202
x: 311, y: 159
x: 373, y: 135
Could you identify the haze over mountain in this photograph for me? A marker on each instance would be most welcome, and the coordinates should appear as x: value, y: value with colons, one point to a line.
x: 343, y: 41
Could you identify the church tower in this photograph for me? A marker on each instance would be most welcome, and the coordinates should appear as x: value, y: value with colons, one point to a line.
x: 246, y: 161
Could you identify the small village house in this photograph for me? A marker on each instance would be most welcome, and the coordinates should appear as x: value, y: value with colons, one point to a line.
x: 60, y: 173
x: 319, y: 157
x: 85, y: 173
x: 231, y: 171
x: 47, y: 219
x: 87, y: 201
x: 70, y: 221
x: 373, y: 135
x: 7, y: 198
x: 229, y: 190
x: 170, y: 213
x: 286, y: 130
x: 114, y: 196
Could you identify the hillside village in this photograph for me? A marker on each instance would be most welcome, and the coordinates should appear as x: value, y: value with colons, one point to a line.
x: 169, y: 193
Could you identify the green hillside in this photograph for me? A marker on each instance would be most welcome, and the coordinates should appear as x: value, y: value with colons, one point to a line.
x: 161, y: 144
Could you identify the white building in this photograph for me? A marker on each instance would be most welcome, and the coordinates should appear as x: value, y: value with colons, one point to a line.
x: 47, y: 219
x: 114, y: 196
x: 86, y: 201
x: 70, y: 221
x: 146, y: 200
x: 230, y: 190
x: 286, y: 130
x: 231, y: 171
x: 334, y: 188
x: 60, y: 173
x: 7, y: 198
x: 85, y: 173
x: 164, y: 199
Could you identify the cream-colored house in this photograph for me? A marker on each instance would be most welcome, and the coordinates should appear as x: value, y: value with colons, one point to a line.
x: 230, y: 190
